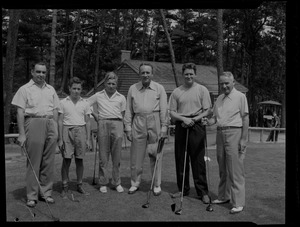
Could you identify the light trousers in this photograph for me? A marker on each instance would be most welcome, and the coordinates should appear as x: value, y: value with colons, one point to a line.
x: 41, y: 142
x: 231, y: 167
x: 145, y: 133
x: 110, y: 136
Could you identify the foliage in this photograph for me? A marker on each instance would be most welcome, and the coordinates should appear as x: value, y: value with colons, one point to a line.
x: 254, y: 42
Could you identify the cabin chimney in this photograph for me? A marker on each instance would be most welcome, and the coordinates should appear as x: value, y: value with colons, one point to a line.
x: 125, y: 55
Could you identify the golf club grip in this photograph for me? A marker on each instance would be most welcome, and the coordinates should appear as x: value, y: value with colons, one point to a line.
x: 160, y: 145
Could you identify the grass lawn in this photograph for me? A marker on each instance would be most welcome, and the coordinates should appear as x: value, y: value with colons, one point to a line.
x: 265, y: 191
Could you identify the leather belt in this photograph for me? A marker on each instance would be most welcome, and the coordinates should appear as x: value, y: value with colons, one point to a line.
x: 228, y: 127
x: 112, y: 119
x: 40, y: 116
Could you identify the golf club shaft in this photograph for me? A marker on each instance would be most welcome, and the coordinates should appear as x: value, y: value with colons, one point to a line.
x: 207, y: 165
x: 154, y: 171
x: 184, y: 166
x: 37, y: 180
x: 95, y: 161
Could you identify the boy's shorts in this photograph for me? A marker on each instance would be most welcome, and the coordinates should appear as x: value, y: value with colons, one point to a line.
x: 74, y: 138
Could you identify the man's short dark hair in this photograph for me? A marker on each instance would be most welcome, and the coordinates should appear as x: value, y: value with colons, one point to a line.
x: 189, y: 66
x: 75, y: 80
x: 38, y: 63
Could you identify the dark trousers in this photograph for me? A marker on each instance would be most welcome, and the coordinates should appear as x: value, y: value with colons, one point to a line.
x: 195, y: 155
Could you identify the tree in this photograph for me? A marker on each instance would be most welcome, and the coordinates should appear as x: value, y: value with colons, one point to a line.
x: 52, y: 51
x: 170, y: 45
x: 12, y: 36
x: 220, y: 45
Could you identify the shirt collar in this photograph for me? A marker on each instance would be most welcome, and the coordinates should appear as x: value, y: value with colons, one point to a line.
x: 104, y: 92
x: 68, y: 98
x: 230, y: 94
x: 31, y: 83
x: 140, y: 86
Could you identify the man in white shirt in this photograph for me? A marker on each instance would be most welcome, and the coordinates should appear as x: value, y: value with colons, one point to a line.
x: 37, y: 105
x: 111, y: 108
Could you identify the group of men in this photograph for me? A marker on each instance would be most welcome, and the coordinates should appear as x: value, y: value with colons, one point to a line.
x: 44, y: 123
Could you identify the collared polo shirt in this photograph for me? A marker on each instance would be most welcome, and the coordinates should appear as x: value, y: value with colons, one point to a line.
x: 35, y: 100
x: 74, y: 114
x: 229, y: 110
x: 189, y: 101
x: 108, y: 107
x: 146, y: 100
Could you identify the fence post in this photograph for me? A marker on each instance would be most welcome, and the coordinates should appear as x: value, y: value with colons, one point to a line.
x: 249, y: 132
x: 261, y: 135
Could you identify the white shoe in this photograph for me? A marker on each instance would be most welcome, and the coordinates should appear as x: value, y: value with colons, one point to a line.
x: 103, y: 189
x: 157, y: 190
x: 132, y: 190
x: 119, y: 188
x: 235, y: 210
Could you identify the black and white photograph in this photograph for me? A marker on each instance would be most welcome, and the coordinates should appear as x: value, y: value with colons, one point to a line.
x: 156, y: 114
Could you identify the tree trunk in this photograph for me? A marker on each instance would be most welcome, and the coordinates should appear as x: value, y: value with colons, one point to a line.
x: 12, y: 37
x: 220, y: 45
x: 144, y: 33
x: 73, y: 55
x: 53, y: 46
x: 97, y: 58
x: 155, y: 41
x: 68, y: 58
x: 170, y: 46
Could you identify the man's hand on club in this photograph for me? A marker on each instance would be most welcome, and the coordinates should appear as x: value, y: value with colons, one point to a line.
x: 188, y: 122
x: 129, y: 135
x: 21, y: 140
x: 204, y: 121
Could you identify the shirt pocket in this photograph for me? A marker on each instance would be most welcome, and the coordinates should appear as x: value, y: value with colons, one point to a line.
x: 33, y: 99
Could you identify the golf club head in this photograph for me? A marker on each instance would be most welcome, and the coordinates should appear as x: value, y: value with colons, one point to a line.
x: 146, y: 205
x: 178, y: 212
x: 173, y: 206
x: 209, y: 208
x: 55, y: 219
x: 94, y: 182
x: 73, y: 199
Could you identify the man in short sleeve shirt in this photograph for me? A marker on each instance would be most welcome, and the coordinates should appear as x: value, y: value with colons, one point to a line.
x: 37, y: 112
x: 111, y: 108
x: 231, y: 115
x: 187, y: 105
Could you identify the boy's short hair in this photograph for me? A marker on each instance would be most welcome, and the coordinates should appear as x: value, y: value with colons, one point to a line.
x: 75, y: 80
x: 110, y: 75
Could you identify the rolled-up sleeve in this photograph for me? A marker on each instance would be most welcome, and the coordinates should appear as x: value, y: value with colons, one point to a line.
x: 128, y: 111
x: 163, y: 106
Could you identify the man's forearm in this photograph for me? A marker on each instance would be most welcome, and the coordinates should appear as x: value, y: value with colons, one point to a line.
x: 20, y: 118
x: 245, y: 126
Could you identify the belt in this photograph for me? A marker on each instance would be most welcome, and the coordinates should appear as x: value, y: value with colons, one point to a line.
x: 112, y: 119
x: 40, y: 116
x: 228, y: 127
x: 146, y: 113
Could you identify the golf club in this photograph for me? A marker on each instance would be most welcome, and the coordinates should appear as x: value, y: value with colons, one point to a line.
x: 73, y: 199
x: 32, y: 213
x: 27, y: 156
x: 95, y: 161
x: 179, y: 211
x: 159, y: 154
x: 209, y: 208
